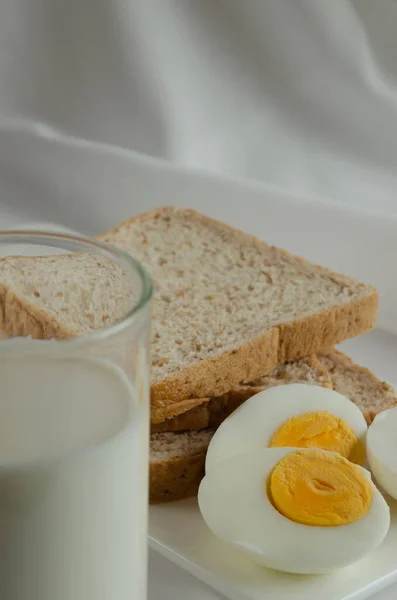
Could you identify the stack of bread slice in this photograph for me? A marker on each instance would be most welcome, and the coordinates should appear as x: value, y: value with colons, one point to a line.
x: 179, y: 445
x: 231, y: 317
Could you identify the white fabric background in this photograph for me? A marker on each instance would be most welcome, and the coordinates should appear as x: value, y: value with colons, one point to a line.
x: 299, y: 94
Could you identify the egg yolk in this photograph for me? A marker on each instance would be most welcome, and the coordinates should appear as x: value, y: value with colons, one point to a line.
x: 317, y: 488
x: 322, y: 430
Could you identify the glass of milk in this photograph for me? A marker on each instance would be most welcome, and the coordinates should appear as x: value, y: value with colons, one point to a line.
x: 74, y: 429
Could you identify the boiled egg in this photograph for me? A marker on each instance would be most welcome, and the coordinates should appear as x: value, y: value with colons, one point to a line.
x: 382, y: 450
x: 303, y: 511
x: 295, y: 415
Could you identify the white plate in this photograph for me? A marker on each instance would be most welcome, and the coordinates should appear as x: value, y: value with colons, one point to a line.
x: 178, y: 532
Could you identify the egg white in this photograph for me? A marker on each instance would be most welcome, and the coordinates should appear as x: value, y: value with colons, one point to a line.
x: 253, y: 424
x: 235, y: 506
x: 381, y: 450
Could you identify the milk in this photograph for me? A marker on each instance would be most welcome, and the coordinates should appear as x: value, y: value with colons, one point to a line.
x: 73, y: 478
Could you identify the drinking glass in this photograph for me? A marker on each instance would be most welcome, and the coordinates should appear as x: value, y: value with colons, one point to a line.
x: 74, y: 428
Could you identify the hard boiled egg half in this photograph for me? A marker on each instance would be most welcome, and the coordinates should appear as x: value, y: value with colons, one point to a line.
x: 283, y: 481
x: 295, y: 415
x: 382, y: 450
x: 304, y: 511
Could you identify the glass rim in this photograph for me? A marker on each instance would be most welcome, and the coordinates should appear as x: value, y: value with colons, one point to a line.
x: 49, y: 238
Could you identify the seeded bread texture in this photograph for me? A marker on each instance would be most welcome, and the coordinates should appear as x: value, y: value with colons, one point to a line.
x: 369, y: 393
x: 174, y: 476
x: 212, y: 413
x: 229, y: 308
x: 61, y: 296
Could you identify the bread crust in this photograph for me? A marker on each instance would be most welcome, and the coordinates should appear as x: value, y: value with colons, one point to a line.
x: 19, y: 317
x: 164, y: 414
x: 218, y: 375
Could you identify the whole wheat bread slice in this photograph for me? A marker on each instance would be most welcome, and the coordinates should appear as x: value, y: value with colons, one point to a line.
x: 177, y: 464
x: 228, y: 308
x: 61, y: 296
x: 215, y: 410
x: 178, y: 458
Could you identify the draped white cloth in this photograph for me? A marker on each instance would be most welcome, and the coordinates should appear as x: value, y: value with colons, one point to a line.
x: 300, y: 94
